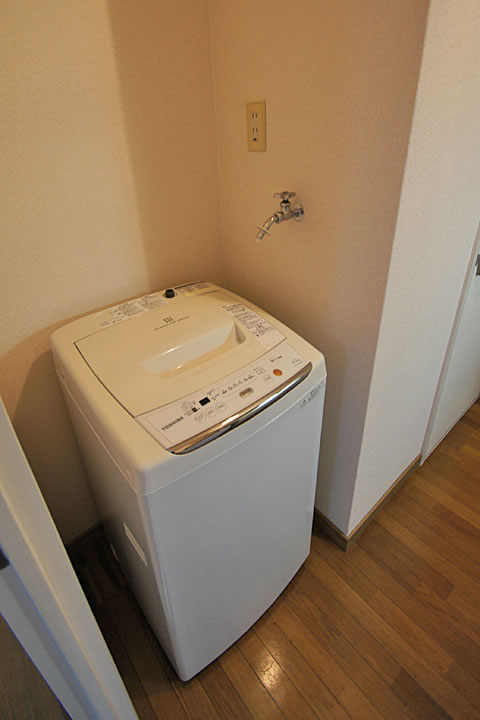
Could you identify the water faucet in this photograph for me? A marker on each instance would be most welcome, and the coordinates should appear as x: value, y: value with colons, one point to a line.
x: 286, y: 212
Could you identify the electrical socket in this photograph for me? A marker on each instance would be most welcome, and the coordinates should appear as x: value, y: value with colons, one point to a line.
x: 256, y: 126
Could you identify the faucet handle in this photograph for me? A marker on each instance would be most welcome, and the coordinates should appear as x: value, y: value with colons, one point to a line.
x: 285, y: 195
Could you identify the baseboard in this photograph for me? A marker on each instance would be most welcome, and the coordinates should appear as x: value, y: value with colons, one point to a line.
x: 345, y: 541
x: 324, y: 525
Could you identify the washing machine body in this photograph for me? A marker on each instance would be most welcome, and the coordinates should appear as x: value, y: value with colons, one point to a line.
x: 199, y: 420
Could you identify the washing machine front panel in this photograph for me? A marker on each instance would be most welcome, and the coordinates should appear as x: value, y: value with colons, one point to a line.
x: 230, y: 536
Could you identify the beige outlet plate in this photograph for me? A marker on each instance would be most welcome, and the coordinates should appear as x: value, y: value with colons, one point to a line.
x: 256, y: 127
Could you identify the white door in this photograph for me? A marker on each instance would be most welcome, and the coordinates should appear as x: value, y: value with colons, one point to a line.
x: 42, y: 601
x: 459, y: 385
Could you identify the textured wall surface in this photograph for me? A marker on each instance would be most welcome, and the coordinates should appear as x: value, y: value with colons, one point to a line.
x: 437, y: 222
x: 109, y: 189
x: 163, y: 60
x: 339, y: 80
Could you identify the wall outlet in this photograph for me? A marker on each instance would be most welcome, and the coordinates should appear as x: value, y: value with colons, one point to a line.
x: 256, y: 135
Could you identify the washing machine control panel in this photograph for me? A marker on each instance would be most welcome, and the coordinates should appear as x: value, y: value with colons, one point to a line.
x: 186, y: 424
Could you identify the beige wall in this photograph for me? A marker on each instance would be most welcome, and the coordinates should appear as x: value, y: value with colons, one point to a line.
x: 163, y: 62
x: 108, y: 190
x: 339, y: 81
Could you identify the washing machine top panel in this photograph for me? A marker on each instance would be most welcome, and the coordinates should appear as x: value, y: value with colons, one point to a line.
x: 153, y: 351
x: 196, y: 419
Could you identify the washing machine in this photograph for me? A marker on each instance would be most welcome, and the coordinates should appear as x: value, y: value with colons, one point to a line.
x: 198, y: 416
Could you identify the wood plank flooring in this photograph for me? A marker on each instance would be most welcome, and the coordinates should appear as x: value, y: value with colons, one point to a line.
x: 390, y: 629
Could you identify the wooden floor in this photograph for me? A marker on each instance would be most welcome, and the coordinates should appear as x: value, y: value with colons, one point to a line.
x: 389, y: 630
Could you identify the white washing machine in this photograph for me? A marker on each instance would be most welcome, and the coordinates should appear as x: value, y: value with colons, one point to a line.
x: 199, y: 418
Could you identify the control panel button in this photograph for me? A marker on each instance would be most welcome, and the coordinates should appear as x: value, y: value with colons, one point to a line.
x: 221, y: 406
x: 200, y: 417
x: 246, y: 392
x: 277, y: 372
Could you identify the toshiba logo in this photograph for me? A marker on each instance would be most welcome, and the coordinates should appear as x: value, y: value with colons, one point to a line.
x: 172, y: 423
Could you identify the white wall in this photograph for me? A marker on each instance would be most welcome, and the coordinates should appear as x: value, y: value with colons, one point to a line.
x: 108, y: 189
x: 339, y: 80
x: 437, y: 221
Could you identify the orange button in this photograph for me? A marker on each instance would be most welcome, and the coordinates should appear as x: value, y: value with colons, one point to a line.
x: 277, y: 372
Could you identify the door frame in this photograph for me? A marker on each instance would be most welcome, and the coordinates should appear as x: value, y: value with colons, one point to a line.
x: 42, y: 601
x: 469, y: 278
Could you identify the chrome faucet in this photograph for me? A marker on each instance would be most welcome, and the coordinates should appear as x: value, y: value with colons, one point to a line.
x: 286, y: 212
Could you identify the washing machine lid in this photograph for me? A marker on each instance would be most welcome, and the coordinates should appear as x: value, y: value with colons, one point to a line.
x: 160, y: 356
